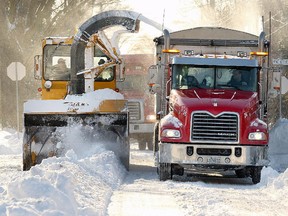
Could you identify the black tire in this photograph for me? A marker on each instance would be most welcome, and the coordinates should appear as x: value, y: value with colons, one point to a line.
x: 26, y: 148
x: 26, y: 164
x: 141, y: 144
x: 241, y: 173
x: 126, y: 159
x: 177, y: 170
x: 150, y: 143
x: 122, y: 147
x: 165, y: 171
x: 256, y: 174
x: 155, y: 138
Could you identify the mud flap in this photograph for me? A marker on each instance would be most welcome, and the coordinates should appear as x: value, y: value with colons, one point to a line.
x: 41, y: 135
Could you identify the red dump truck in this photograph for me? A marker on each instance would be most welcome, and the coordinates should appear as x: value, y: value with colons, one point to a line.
x: 211, y: 102
x: 140, y: 103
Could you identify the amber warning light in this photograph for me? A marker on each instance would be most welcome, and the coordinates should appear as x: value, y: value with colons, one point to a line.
x: 175, y: 51
x: 259, y: 53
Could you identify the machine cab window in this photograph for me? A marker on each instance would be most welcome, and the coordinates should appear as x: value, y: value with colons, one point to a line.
x: 106, y: 72
x: 57, y: 62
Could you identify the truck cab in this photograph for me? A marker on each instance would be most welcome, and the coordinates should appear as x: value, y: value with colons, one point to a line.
x: 140, y: 102
x: 211, y: 98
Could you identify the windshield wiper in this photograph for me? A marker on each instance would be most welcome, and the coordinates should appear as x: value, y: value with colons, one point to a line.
x: 229, y: 86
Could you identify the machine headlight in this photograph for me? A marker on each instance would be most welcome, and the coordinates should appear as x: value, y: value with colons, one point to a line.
x: 257, y: 136
x: 151, y: 117
x: 171, y: 133
x: 48, y: 84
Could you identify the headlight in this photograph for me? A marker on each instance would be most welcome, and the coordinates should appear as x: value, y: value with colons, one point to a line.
x: 257, y: 136
x: 171, y: 133
x: 150, y: 117
x: 48, y: 84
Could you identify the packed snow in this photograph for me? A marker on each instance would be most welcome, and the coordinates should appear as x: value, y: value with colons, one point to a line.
x: 173, y: 120
x: 93, y: 182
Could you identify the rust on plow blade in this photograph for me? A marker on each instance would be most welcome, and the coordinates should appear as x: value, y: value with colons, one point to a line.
x: 43, y: 132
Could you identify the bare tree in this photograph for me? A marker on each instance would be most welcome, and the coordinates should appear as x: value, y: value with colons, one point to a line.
x: 23, y: 24
x: 276, y: 29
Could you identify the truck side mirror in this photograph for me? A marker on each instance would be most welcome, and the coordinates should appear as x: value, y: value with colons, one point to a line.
x: 155, y: 89
x: 152, y: 73
x: 38, y: 67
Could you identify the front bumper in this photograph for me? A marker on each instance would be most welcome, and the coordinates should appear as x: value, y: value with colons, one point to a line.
x: 222, y: 155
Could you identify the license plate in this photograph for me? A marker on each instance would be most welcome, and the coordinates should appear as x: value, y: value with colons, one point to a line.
x: 214, y: 160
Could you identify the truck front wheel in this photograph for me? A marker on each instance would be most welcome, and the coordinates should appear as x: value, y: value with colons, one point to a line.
x: 155, y: 138
x: 141, y: 144
x: 150, y: 143
x: 256, y: 174
x: 242, y: 173
x: 165, y: 171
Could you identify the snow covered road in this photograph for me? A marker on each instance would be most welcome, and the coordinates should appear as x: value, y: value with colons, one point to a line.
x: 142, y: 193
x: 96, y: 184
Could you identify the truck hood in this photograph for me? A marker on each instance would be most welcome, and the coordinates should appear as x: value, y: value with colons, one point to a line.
x: 214, y: 101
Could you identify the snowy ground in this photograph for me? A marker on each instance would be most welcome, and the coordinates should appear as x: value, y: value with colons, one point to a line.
x: 96, y: 184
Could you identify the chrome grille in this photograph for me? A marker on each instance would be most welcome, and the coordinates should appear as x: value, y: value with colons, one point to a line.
x: 134, y: 108
x: 222, y: 128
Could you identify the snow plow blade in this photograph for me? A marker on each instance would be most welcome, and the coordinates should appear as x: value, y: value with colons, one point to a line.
x: 45, y: 134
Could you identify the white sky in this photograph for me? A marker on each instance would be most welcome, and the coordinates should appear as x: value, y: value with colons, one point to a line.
x: 183, y: 14
x: 168, y: 12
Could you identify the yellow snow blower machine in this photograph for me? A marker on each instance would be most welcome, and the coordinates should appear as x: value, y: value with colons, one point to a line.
x: 78, y: 76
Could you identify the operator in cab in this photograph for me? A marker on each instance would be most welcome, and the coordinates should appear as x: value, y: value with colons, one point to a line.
x: 188, y: 80
x: 106, y: 74
x: 237, y: 79
x: 60, y: 71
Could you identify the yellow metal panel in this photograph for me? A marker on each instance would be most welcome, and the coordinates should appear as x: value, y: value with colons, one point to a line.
x: 112, y: 105
x: 57, y: 91
x: 102, y: 85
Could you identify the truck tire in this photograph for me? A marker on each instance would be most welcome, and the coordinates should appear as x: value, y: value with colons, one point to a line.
x: 165, y: 171
x: 26, y: 163
x: 141, y: 144
x: 242, y: 173
x: 256, y: 174
x: 125, y: 158
x: 150, y: 143
x: 155, y: 138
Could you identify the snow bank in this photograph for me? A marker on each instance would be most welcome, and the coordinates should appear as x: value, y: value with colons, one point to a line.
x: 81, y: 183
x: 69, y: 185
x: 278, y: 145
x: 9, y: 142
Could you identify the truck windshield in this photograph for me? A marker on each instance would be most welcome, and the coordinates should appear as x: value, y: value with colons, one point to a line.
x: 57, y: 62
x: 135, y: 83
x: 214, y: 77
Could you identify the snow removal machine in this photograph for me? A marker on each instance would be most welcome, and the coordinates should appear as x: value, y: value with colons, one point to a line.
x: 211, y: 101
x: 72, y: 70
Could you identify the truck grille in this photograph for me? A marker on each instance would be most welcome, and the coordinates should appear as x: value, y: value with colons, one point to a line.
x: 222, y: 128
x: 134, y: 108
